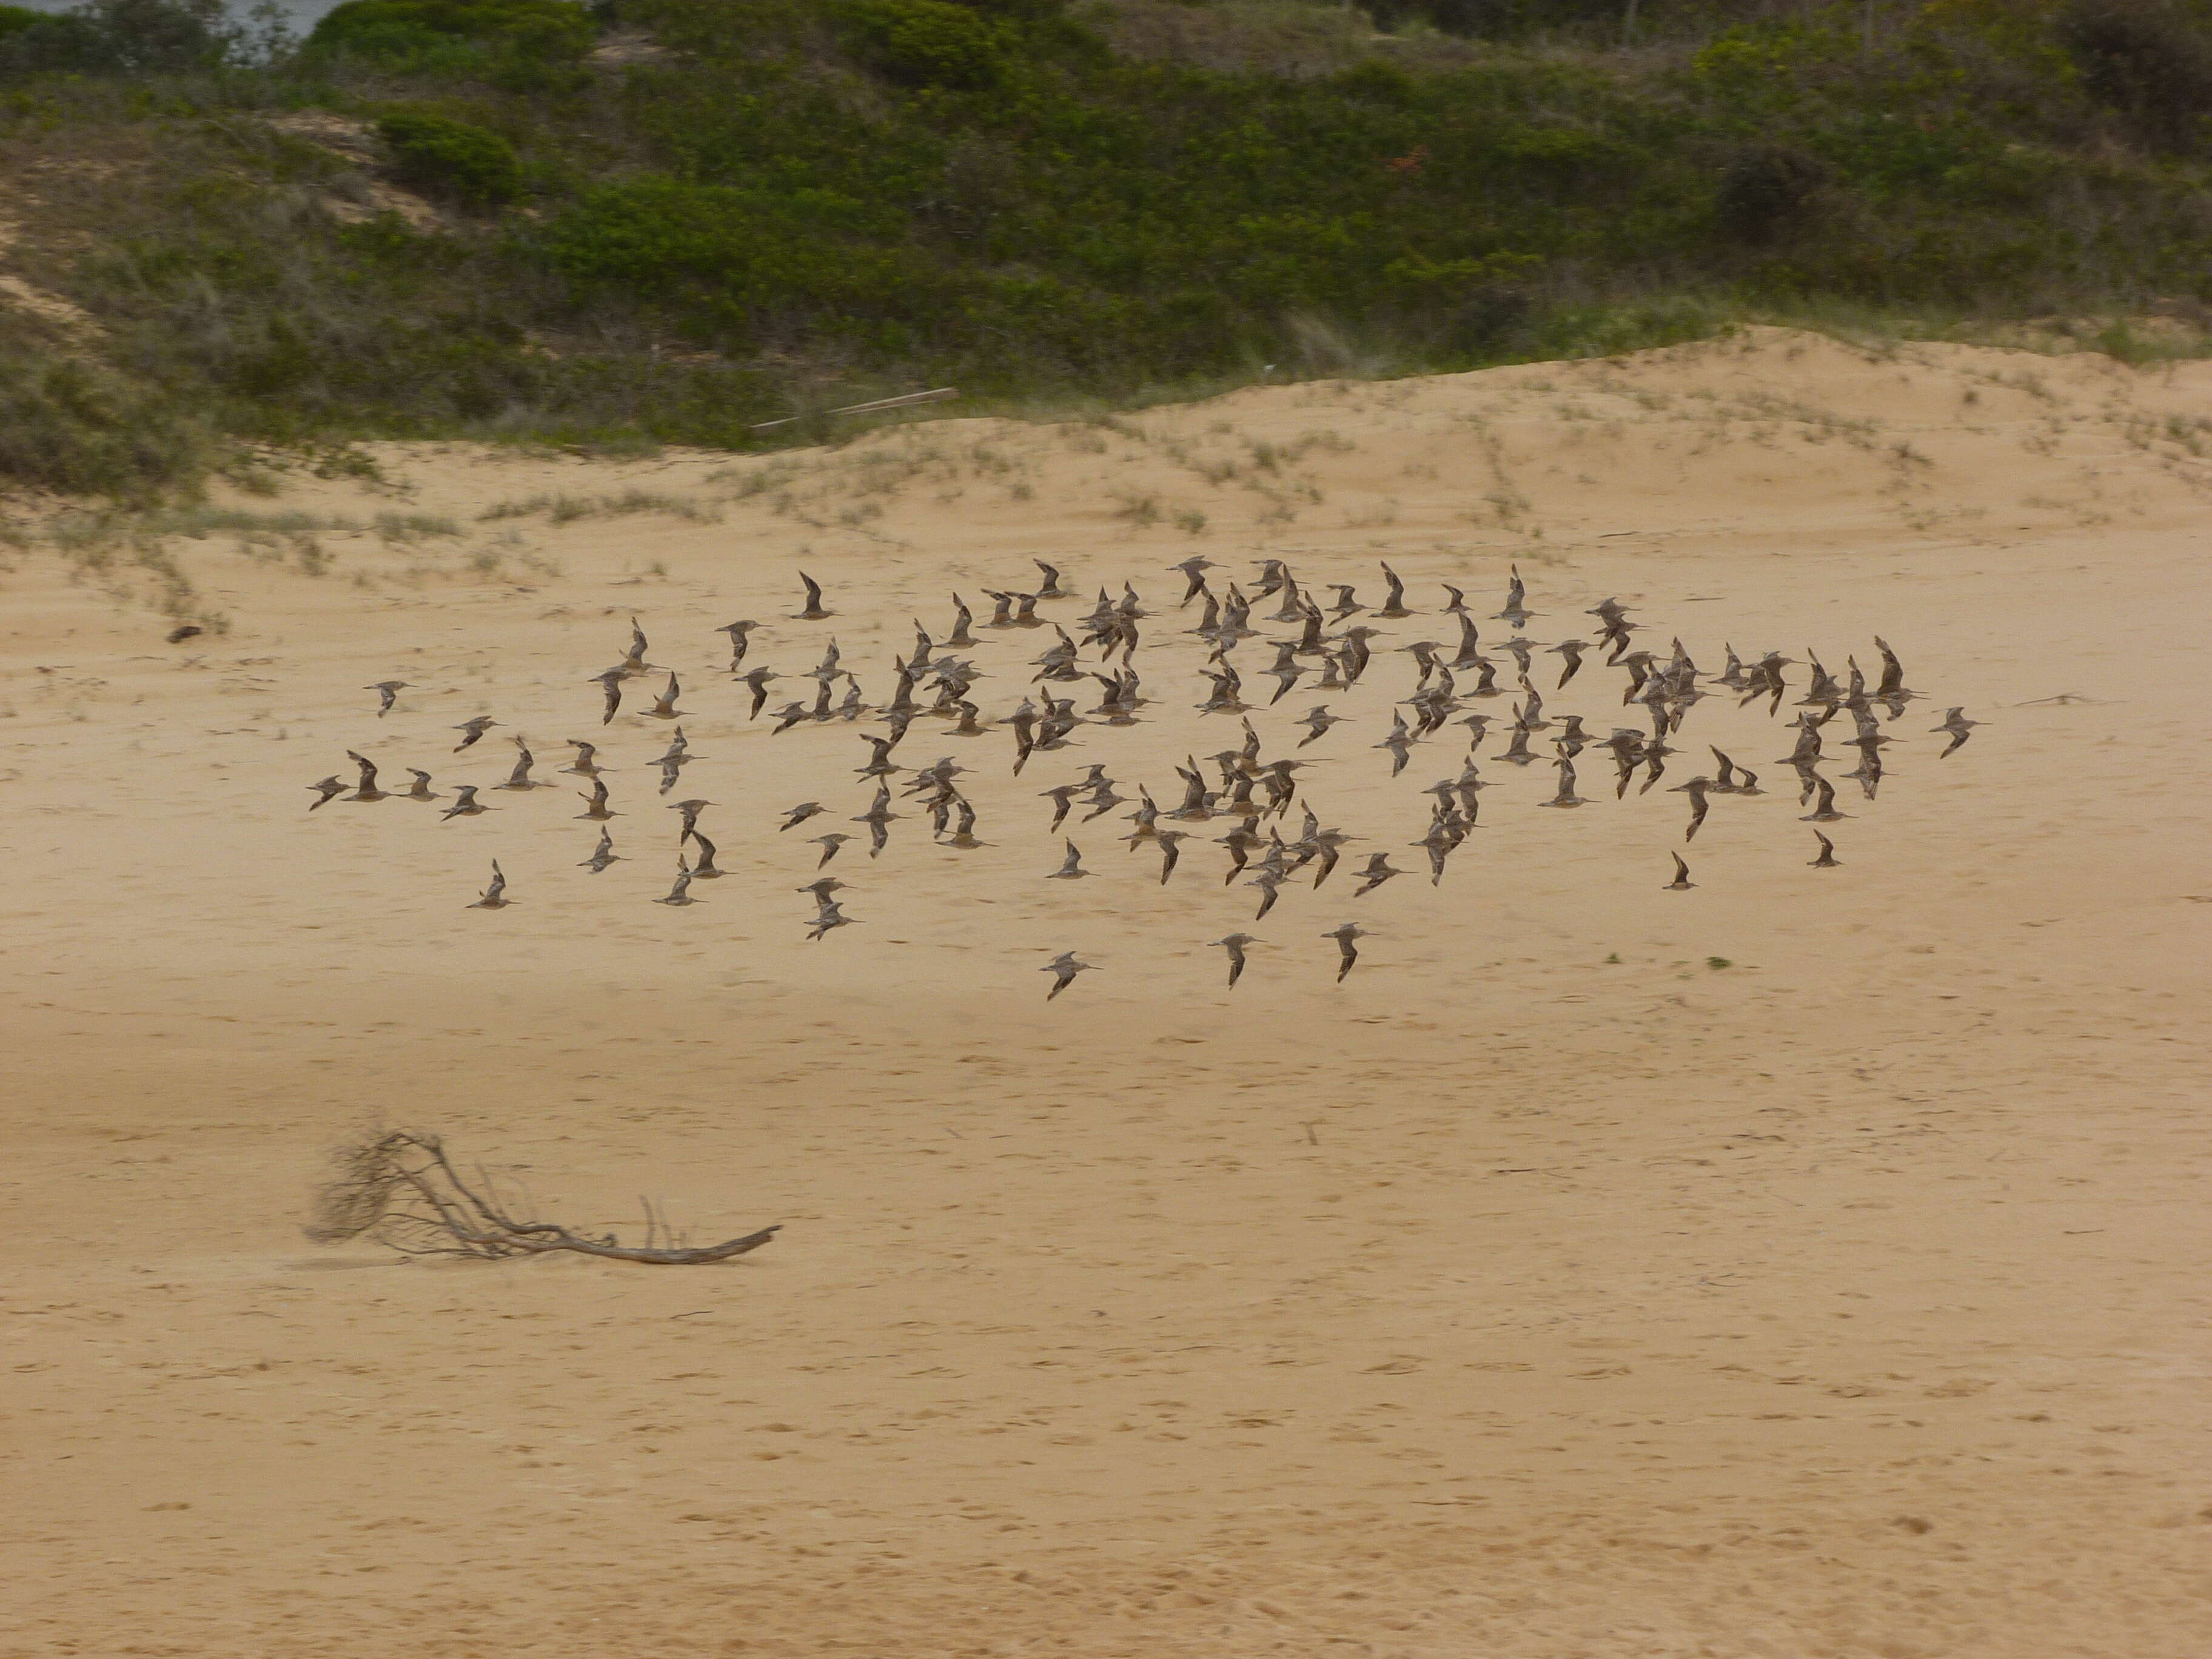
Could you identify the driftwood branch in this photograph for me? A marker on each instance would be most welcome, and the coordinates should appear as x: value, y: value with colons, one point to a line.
x: 401, y: 1189
x: 937, y: 396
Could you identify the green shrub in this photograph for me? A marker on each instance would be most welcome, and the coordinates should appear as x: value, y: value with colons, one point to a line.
x: 2147, y: 61
x: 130, y: 37
x: 398, y: 28
x: 929, y: 43
x: 1561, y: 148
x: 739, y: 255
x: 865, y: 195
x: 1025, y: 11
x: 1765, y: 192
x: 69, y: 425
x: 452, y: 158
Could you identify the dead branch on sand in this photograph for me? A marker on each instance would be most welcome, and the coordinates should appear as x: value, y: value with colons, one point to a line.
x: 400, y: 1189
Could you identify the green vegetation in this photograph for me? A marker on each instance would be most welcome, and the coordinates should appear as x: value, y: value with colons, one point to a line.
x: 661, y: 220
x: 514, y: 44
x: 403, y: 28
x: 125, y: 37
x: 73, y: 426
x: 451, y: 158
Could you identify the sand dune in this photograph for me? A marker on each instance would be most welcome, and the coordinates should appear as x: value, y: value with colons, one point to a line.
x: 1546, y: 1289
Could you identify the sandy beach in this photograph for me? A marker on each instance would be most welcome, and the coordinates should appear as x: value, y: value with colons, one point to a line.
x: 1810, y: 1263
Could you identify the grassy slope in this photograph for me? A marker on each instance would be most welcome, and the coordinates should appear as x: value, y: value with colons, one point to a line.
x: 777, y: 205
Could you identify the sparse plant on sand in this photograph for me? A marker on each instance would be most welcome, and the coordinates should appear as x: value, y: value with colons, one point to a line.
x: 405, y: 529
x: 399, y: 1187
x: 1137, y: 509
x: 566, y: 509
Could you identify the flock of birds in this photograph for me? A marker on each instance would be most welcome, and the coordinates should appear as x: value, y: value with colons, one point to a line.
x: 1330, y: 645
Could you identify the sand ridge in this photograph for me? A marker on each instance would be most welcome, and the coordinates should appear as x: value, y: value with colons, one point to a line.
x: 1505, y: 1299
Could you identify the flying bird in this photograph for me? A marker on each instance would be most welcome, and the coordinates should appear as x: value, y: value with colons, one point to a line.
x: 1171, y: 850
x: 827, y: 917
x: 757, y: 678
x: 1061, y: 799
x: 1317, y: 722
x: 595, y: 808
x: 880, y: 763
x: 387, y: 693
x: 492, y: 897
x: 324, y: 792
x: 1827, y: 860
x: 466, y: 804
x: 1394, y: 602
x: 814, y: 612
x: 1681, y: 883
x: 1235, y: 945
x: 602, y: 855
x: 1825, y: 811
x: 367, y: 790
x: 964, y: 832
x: 1572, y: 651
x: 1566, y: 796
x: 1695, y: 789
x: 740, y: 635
x: 519, y: 778
x: 474, y: 729
x: 680, y: 892
x: 1063, y: 968
x: 1269, y: 881
x: 1959, y: 726
x: 690, y: 810
x: 1194, y: 570
x: 1515, y: 612
x: 1379, y: 870
x: 1399, y: 743
x: 1345, y: 937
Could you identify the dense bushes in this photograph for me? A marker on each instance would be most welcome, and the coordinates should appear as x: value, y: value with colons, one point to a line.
x: 552, y: 28
x: 451, y: 158
x: 68, y: 426
x: 859, y: 194
x: 126, y: 37
x: 930, y: 43
x: 2151, y: 62
x: 662, y: 235
x: 522, y: 46
x: 1766, y: 192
